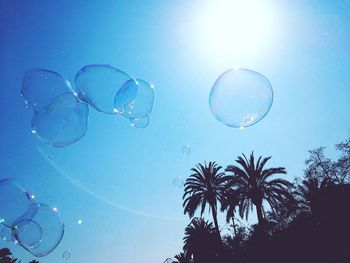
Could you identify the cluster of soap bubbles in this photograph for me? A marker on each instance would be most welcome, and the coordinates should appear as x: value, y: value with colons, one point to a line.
x: 61, y: 112
x: 36, y: 227
x: 240, y: 97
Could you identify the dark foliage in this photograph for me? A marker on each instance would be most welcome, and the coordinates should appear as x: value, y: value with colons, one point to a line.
x: 6, y: 257
x: 307, y: 221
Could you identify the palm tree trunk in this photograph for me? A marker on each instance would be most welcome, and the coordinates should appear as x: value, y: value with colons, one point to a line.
x: 215, y: 219
x: 234, y: 226
x: 259, y: 213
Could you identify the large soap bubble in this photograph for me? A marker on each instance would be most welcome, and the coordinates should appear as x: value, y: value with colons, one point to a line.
x: 14, y: 202
x: 240, y: 97
x: 46, y: 225
x: 98, y: 84
x: 63, y: 122
x: 134, y: 99
x: 40, y: 87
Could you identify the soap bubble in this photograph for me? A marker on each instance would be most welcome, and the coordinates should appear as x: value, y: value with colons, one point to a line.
x: 240, y: 97
x: 52, y: 230
x: 40, y: 87
x: 134, y: 99
x: 98, y: 84
x: 178, y: 182
x: 66, y: 255
x: 14, y: 200
x: 141, y: 122
x: 186, y: 150
x: 63, y: 122
x: 80, y: 222
x: 28, y: 233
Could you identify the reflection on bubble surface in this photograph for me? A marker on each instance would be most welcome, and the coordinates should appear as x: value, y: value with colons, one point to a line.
x: 240, y: 97
x: 63, y: 122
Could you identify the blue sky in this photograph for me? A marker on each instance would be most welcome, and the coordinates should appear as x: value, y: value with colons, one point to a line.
x: 117, y: 179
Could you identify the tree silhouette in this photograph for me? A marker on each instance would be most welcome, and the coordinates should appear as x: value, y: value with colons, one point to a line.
x: 309, y: 194
x: 200, y: 241
x: 206, y: 186
x: 343, y: 163
x: 6, y: 257
x: 182, y: 258
x: 252, y: 182
x: 305, y: 221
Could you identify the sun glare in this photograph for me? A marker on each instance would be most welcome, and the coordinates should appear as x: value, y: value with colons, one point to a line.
x: 233, y: 27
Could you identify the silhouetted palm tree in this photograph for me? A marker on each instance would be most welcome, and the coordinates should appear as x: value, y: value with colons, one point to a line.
x: 206, y: 186
x: 310, y: 193
x: 183, y: 258
x: 252, y: 182
x: 200, y: 241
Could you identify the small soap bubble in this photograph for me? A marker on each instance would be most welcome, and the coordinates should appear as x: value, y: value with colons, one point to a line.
x: 141, y: 122
x: 240, y: 97
x: 134, y: 99
x: 63, y: 122
x: 80, y: 222
x: 40, y: 87
x: 98, y: 84
x: 186, y: 150
x: 178, y: 182
x: 66, y: 255
x: 28, y: 233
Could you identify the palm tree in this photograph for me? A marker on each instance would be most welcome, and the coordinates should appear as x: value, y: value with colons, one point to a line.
x: 252, y: 182
x: 200, y: 241
x: 183, y: 258
x: 206, y: 186
x: 310, y: 193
